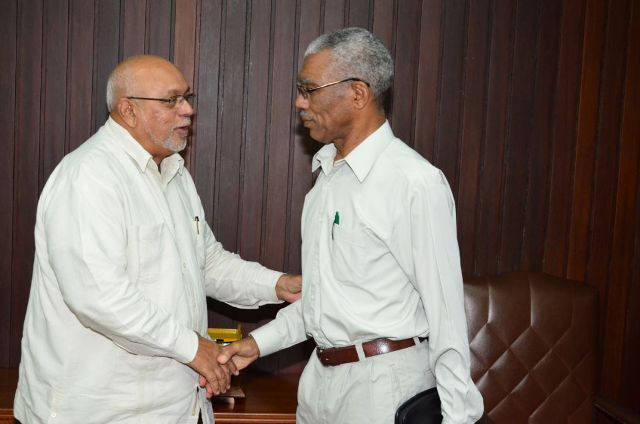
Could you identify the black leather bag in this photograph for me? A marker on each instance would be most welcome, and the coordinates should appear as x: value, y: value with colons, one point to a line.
x: 423, y: 408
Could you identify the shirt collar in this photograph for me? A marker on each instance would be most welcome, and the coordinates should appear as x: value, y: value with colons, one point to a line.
x: 360, y: 159
x: 139, y: 155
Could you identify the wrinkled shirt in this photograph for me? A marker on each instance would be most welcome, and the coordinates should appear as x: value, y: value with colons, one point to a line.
x: 380, y: 258
x: 124, y: 259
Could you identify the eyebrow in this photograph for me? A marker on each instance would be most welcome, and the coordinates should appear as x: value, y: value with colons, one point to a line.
x: 178, y: 93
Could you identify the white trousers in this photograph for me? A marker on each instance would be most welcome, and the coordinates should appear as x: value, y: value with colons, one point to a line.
x: 368, y: 391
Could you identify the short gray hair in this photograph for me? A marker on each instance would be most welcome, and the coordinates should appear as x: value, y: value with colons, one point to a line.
x: 118, y: 84
x: 358, y: 53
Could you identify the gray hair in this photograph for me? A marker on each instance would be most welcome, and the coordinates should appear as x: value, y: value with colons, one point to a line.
x: 357, y: 53
x: 118, y: 84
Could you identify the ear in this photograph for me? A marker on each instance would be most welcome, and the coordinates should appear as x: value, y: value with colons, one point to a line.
x: 362, y: 94
x: 127, y: 112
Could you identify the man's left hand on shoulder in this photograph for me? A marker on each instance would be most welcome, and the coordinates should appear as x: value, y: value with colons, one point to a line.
x: 288, y: 287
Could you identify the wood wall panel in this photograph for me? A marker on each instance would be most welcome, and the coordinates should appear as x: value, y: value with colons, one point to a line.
x: 529, y: 107
x: 205, y: 138
x: 159, y: 28
x: 586, y: 140
x: 491, y: 165
x: 540, y: 145
x: 80, y: 71
x: 471, y: 128
x: 26, y: 153
x: 429, y: 70
x: 8, y: 59
x: 563, y: 138
x: 279, y: 136
x: 518, y: 130
x: 406, y: 51
x: 231, y: 123
x: 133, y: 20
x: 603, y: 209
x: 56, y: 24
x: 449, y: 106
x: 251, y: 223
x: 107, y: 37
x: 625, y: 266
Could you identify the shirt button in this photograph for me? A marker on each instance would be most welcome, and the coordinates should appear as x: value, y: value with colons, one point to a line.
x: 53, y: 415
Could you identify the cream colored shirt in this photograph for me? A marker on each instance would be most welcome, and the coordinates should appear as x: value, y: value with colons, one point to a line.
x: 124, y: 260
x: 380, y: 258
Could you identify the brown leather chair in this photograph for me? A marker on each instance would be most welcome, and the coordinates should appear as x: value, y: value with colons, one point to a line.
x: 533, y: 341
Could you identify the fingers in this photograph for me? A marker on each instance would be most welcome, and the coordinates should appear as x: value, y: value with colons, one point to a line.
x: 288, y: 287
x: 214, y: 376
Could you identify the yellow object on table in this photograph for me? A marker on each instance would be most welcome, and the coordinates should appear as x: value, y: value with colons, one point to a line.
x: 224, y: 336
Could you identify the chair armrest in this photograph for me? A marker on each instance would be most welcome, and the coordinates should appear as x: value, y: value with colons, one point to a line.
x: 619, y: 413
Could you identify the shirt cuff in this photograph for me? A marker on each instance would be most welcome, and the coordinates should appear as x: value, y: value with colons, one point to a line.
x: 267, y: 338
x: 267, y: 292
x: 186, y: 346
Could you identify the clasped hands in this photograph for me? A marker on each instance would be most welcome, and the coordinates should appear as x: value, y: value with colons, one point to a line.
x: 217, y: 364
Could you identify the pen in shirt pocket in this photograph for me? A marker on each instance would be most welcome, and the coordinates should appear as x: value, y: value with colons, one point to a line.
x: 197, y: 221
x: 336, y: 221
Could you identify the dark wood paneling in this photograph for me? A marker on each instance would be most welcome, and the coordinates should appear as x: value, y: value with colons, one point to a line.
x: 107, y: 17
x: 80, y: 72
x: 133, y: 21
x: 256, y: 127
x: 472, y: 128
x: 279, y: 136
x: 231, y: 123
x: 564, y: 133
x: 334, y: 14
x: 629, y: 387
x: 491, y: 181
x: 205, y: 140
x: 603, y: 209
x: 529, y: 107
x: 586, y: 140
x: 542, y: 117
x: 186, y: 56
x: 625, y: 216
x: 8, y: 50
x: 518, y: 135
x: 429, y: 71
x: 359, y: 13
x: 26, y: 153
x: 159, y: 28
x: 406, y: 51
x: 449, y: 106
x: 382, y: 26
x: 56, y: 36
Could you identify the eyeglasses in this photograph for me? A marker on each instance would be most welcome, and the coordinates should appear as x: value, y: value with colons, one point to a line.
x: 172, y: 101
x: 306, y: 92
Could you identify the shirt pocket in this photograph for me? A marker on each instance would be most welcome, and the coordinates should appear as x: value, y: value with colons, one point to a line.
x: 348, y: 254
x: 149, y: 253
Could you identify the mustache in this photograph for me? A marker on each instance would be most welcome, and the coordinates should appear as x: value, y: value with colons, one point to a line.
x: 304, y: 115
x: 186, y: 123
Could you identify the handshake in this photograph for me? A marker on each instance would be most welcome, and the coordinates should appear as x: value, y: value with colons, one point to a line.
x: 217, y: 364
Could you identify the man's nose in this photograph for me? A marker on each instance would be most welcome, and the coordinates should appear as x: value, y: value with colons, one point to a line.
x: 185, y: 108
x: 301, y: 102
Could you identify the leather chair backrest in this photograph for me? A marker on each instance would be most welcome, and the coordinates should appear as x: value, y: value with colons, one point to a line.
x: 533, y: 340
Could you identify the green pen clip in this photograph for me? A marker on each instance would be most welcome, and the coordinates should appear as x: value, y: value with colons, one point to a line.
x: 336, y: 221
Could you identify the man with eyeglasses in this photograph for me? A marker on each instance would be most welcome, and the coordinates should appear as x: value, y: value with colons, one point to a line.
x: 115, y: 329
x: 383, y: 296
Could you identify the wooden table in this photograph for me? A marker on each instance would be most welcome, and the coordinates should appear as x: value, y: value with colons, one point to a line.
x: 270, y: 399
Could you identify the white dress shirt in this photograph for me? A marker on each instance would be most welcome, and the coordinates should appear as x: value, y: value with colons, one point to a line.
x: 124, y: 259
x: 380, y: 259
